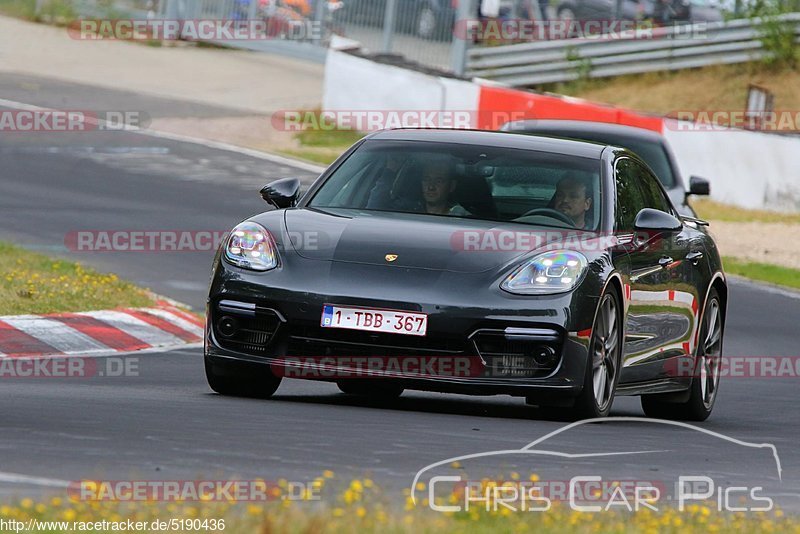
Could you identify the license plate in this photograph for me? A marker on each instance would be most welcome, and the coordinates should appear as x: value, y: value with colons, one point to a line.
x: 372, y: 320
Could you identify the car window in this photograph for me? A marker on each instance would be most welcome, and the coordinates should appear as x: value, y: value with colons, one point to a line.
x: 654, y: 196
x: 637, y: 189
x: 630, y: 199
x: 652, y: 152
x: 467, y: 181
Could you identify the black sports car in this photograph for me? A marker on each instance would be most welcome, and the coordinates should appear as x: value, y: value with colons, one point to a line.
x: 473, y: 262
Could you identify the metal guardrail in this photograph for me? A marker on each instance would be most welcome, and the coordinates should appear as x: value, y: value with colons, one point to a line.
x: 666, y: 49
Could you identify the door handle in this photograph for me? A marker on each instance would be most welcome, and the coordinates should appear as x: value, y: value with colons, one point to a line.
x: 695, y: 256
x: 665, y: 262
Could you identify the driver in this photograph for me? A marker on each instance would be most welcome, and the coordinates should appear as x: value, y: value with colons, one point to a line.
x: 438, y: 186
x: 573, y: 197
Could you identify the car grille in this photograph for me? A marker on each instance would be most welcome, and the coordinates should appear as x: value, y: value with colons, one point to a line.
x: 249, y: 334
x: 516, y: 358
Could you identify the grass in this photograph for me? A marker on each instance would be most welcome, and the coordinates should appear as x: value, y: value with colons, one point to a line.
x: 23, y: 9
x: 764, y: 272
x: 34, y: 283
x: 716, y: 211
x: 360, y: 506
x: 318, y: 142
x: 721, y: 87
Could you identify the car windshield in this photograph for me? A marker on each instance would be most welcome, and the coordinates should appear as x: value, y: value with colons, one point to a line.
x: 467, y: 181
x: 653, y: 153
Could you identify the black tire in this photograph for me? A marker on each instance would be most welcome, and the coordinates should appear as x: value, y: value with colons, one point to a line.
x: 604, y: 362
x: 370, y: 388
x: 241, y: 380
x: 705, y: 379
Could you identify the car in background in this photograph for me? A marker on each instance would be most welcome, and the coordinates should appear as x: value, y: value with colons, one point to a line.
x: 662, y: 12
x: 427, y: 19
x: 647, y: 144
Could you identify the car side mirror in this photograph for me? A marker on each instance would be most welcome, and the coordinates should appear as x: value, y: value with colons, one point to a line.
x: 656, y: 221
x: 699, y: 186
x: 281, y: 193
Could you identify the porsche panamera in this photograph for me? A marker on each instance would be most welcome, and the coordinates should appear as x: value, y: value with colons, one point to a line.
x: 479, y: 263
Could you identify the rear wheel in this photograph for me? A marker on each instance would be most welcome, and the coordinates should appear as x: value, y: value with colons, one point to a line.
x: 605, y: 356
x: 370, y: 388
x: 705, y: 379
x: 239, y: 379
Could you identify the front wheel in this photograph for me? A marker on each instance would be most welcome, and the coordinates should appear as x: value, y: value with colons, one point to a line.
x: 705, y: 379
x: 604, y: 362
x: 239, y: 379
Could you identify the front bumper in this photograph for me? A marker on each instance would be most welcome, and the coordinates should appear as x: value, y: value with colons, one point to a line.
x: 482, y: 340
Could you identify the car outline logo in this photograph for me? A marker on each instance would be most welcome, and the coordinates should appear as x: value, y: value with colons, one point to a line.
x: 529, y: 448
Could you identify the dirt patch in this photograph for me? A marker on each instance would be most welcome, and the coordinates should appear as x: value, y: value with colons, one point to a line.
x: 775, y: 243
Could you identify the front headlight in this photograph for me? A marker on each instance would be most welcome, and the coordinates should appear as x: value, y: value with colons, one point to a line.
x: 250, y: 246
x: 551, y: 272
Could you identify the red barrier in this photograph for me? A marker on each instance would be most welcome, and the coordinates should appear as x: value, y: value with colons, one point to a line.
x: 497, y: 105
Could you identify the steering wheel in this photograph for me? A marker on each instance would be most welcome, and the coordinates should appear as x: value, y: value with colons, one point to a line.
x: 549, y: 212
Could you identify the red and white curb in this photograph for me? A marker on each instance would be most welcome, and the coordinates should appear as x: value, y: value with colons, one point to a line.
x: 99, y: 333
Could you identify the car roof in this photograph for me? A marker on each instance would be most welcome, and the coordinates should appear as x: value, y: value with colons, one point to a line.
x: 494, y: 139
x: 569, y: 128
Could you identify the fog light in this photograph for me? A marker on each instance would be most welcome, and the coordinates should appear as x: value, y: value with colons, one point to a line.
x: 227, y: 326
x: 544, y: 356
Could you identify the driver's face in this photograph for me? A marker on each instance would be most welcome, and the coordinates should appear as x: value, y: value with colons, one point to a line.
x: 437, y: 184
x: 570, y: 199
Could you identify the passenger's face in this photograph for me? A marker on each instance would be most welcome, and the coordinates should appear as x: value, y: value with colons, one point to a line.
x: 571, y: 199
x: 437, y: 184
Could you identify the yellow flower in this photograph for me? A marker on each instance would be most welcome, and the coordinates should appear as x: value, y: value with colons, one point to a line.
x: 338, y: 512
x: 254, y: 510
x: 361, y: 511
x: 69, y: 514
x: 327, y: 473
x: 26, y: 503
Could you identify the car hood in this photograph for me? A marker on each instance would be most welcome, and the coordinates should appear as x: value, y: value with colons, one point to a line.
x: 419, y: 241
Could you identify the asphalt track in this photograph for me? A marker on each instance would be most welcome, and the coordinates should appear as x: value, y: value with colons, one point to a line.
x: 166, y: 424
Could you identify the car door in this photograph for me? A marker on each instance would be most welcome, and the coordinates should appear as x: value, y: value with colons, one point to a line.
x: 662, y: 292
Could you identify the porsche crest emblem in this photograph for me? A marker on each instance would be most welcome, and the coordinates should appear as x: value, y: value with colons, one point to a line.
x: 390, y: 257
